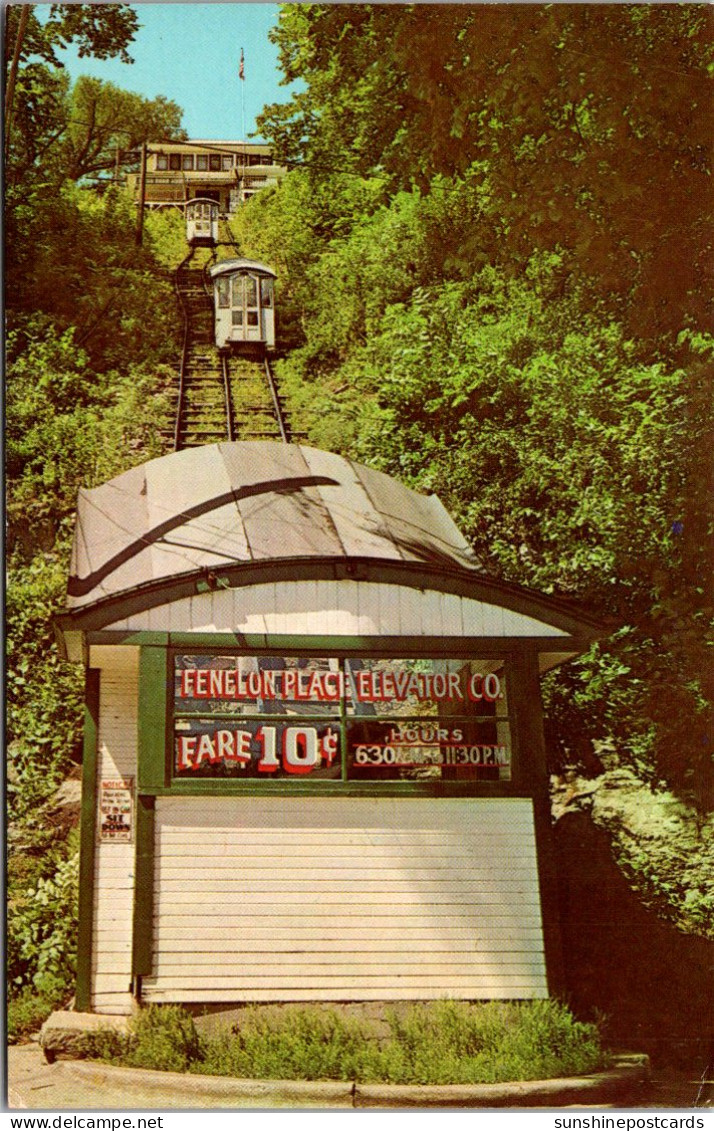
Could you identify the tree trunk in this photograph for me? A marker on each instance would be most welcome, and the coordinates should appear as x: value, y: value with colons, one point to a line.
x: 12, y: 76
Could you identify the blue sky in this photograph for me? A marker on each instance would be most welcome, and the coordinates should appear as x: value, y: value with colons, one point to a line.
x: 190, y: 54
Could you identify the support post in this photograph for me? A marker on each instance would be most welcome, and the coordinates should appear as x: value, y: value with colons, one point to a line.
x: 152, y: 774
x: 153, y: 695
x: 88, y: 828
x: 142, y: 931
x: 533, y: 779
x: 142, y: 198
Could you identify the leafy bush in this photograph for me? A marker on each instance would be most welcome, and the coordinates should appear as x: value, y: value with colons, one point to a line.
x: 104, y: 1044
x: 437, y: 1043
x: 27, y: 1010
x: 71, y: 426
x: 571, y: 460
x: 458, y: 1043
x: 165, y: 1037
x: 44, y: 696
x: 108, y: 283
x: 88, y: 394
x: 42, y: 932
x: 165, y: 235
x: 67, y: 427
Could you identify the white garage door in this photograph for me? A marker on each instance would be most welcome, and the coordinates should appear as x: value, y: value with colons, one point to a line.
x: 322, y: 899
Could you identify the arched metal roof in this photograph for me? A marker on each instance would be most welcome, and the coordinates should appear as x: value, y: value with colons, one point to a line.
x: 233, y: 516
x: 230, y: 266
x: 250, y: 503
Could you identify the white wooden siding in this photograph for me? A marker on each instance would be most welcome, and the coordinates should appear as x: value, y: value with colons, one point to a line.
x: 306, y: 899
x: 336, y: 608
x: 113, y: 861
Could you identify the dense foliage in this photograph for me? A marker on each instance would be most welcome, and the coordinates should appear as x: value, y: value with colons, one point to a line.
x: 586, y: 128
x: 76, y: 416
x: 102, y: 31
x: 489, y: 310
x: 42, y: 934
x: 667, y: 857
x: 574, y: 461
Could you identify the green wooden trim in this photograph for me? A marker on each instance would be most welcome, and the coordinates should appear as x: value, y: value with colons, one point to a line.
x: 154, y: 688
x: 88, y: 822
x: 336, y: 787
x: 395, y: 647
x: 71, y: 645
x: 142, y: 929
x: 519, y: 780
x: 532, y: 778
x: 413, y: 575
x: 154, y: 696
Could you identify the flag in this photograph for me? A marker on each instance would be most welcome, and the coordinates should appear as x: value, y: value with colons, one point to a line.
x: 241, y: 68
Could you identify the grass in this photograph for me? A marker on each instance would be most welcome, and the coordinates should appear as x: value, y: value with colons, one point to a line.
x: 445, y: 1042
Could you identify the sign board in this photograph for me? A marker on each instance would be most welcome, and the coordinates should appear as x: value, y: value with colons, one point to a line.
x: 270, y: 717
x: 116, y: 810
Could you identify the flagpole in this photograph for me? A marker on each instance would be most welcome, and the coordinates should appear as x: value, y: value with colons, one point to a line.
x: 241, y: 76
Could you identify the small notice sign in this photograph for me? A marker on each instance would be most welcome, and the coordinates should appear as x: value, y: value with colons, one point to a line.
x: 116, y: 810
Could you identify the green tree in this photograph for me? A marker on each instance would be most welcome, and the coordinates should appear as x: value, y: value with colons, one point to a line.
x: 106, y: 281
x: 586, y: 127
x: 101, y: 30
x: 40, y: 120
x: 76, y: 132
x: 573, y: 466
x: 516, y: 320
x: 105, y: 123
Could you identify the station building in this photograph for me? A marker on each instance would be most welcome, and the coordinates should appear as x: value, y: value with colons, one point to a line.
x: 229, y: 172
x: 314, y: 764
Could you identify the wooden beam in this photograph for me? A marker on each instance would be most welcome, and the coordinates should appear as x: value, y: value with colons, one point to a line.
x: 525, y: 709
x: 142, y: 198
x: 153, y: 706
x: 143, y: 918
x: 88, y: 822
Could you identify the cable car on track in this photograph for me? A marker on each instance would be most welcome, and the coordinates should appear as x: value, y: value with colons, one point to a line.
x: 202, y: 222
x: 244, y: 304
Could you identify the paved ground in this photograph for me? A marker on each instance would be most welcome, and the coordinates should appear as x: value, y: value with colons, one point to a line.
x: 83, y: 1086
x: 79, y: 1086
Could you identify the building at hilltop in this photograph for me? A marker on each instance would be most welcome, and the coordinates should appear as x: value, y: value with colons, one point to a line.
x: 229, y: 172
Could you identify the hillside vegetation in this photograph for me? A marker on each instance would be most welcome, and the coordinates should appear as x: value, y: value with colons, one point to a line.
x: 88, y: 393
x: 491, y: 249
x: 490, y: 287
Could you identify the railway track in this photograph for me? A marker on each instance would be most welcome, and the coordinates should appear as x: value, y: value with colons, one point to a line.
x: 219, y: 397
x: 227, y: 240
